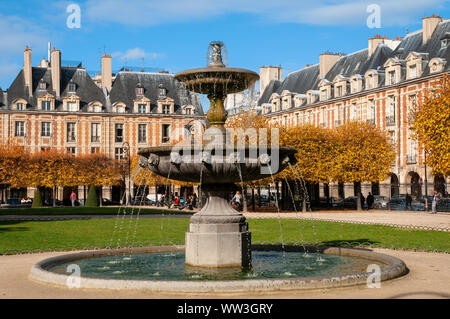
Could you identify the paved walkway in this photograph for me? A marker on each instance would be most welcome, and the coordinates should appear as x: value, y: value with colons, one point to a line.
x: 429, y: 277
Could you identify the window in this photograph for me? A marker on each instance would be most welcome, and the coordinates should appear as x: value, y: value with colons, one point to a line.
x: 390, y: 112
x: 71, y: 135
x: 162, y: 92
x: 45, y: 129
x: 142, y: 108
x: 119, y: 133
x: 72, y: 150
x: 119, y: 153
x: 72, y: 87
x: 188, y: 111
x: 72, y: 106
x: 46, y: 105
x: 392, y: 77
x: 96, y: 108
x: 412, y: 71
x: 20, y: 106
x: 95, y: 132
x: 142, y: 133
x: 95, y: 150
x: 339, y: 91
x: 166, y: 108
x: 371, y: 111
x: 42, y: 86
x: 165, y: 133
x: 139, y: 91
x: 19, y: 129
x: 324, y: 95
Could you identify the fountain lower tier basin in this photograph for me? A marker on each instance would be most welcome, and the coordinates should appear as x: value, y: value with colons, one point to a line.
x: 216, y: 164
x: 163, y: 268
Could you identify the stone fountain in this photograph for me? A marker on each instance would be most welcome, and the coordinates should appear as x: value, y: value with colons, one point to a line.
x: 218, y: 234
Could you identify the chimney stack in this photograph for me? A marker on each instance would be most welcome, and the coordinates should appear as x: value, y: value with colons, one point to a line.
x: 27, y: 70
x: 429, y: 24
x: 56, y: 71
x: 373, y: 43
x: 267, y: 74
x: 106, y: 72
x: 326, y: 61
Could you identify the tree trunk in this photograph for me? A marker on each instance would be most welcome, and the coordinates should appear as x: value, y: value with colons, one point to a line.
x: 304, y: 204
x: 358, y: 200
x: 277, y: 195
x: 54, y: 196
x: 259, y: 196
x: 253, y: 199
x: 101, y: 196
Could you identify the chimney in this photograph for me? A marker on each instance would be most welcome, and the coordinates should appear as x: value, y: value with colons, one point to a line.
x: 327, y: 61
x: 56, y: 71
x: 267, y: 74
x: 428, y: 26
x: 373, y: 43
x: 27, y: 70
x: 106, y: 72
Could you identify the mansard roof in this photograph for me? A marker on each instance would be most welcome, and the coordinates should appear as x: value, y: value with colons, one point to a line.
x: 360, y: 63
x: 124, y: 90
x: 86, y: 89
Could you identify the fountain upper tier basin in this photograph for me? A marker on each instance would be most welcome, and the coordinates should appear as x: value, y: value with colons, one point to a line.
x: 216, y: 165
x: 217, y: 80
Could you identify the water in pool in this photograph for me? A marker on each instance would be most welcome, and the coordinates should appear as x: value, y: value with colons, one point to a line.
x: 171, y: 266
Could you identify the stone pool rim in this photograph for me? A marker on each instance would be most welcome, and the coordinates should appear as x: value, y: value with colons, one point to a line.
x: 393, y: 268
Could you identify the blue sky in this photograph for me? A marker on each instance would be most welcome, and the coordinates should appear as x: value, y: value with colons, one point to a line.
x: 174, y: 34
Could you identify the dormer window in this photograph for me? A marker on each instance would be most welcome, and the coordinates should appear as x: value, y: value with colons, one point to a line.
x: 46, y: 105
x: 444, y: 43
x: 162, y: 91
x: 412, y: 71
x: 166, y: 109
x: 42, y: 85
x: 72, y: 87
x: 139, y: 89
x: 20, y: 106
x: 391, y: 76
x: 142, y: 108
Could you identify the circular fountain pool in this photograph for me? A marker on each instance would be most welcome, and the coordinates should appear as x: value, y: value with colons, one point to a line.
x: 164, y: 269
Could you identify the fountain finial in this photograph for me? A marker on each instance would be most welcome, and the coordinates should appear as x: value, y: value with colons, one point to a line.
x: 214, y: 57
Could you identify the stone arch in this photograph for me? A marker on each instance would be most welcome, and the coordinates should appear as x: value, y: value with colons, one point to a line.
x: 395, y: 185
x: 413, y: 184
x: 439, y: 184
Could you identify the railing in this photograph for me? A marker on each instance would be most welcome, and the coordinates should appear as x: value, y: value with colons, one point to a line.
x: 411, y: 159
x: 390, y: 120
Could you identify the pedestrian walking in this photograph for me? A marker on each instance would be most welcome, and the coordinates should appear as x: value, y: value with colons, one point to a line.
x: 434, y: 202
x: 73, y: 197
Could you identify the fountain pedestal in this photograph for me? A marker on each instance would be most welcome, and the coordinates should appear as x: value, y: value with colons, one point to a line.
x: 218, y: 234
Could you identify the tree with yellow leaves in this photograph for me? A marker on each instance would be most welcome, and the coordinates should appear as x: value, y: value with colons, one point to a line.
x: 363, y: 153
x: 431, y: 126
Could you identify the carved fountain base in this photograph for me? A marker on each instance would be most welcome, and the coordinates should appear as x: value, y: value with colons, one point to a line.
x: 218, y: 234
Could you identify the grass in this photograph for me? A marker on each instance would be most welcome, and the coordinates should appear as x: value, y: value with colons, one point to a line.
x: 85, y: 211
x: 28, y: 236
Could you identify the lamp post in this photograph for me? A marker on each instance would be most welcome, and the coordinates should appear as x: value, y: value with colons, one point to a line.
x: 426, y: 180
x: 126, y: 150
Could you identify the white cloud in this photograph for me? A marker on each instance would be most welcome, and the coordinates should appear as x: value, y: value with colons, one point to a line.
x: 136, y: 54
x: 316, y: 12
x: 16, y: 33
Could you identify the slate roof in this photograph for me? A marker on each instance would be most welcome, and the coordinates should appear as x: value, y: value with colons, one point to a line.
x: 359, y: 62
x: 124, y: 90
x: 86, y: 89
x: 2, y: 103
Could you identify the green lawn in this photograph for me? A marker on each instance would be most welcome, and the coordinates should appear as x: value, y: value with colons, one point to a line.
x: 86, y: 211
x: 27, y: 236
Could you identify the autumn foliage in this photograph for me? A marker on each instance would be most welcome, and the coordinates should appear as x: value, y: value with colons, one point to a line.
x: 431, y: 126
x: 53, y: 168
